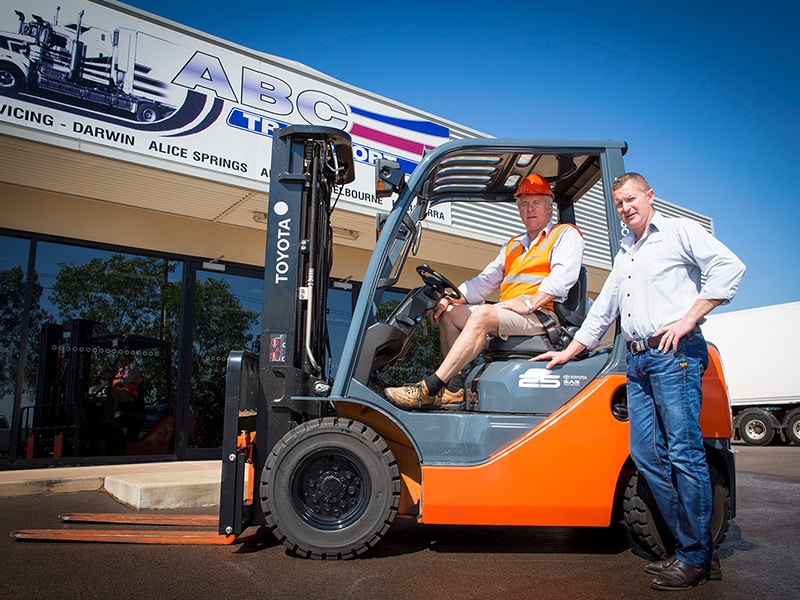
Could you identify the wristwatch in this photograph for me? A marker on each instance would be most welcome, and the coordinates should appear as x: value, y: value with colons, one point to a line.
x: 529, y: 304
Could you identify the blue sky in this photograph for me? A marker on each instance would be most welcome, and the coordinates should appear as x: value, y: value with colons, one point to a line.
x: 704, y: 93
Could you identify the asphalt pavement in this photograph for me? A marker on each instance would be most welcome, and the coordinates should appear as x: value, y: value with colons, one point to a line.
x: 759, y: 555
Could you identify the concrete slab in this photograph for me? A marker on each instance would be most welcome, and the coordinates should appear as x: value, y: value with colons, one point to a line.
x: 140, y: 486
x: 195, y: 484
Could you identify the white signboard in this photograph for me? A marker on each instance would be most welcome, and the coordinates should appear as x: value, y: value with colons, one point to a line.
x: 89, y: 72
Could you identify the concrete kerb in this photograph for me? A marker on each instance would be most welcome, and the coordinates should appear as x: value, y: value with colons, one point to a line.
x: 140, y: 486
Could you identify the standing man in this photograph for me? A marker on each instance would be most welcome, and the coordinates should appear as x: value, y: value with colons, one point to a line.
x: 531, y: 271
x: 655, y: 288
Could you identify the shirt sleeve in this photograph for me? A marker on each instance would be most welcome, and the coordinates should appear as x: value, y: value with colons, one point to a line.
x: 565, y: 264
x: 601, y: 315
x: 722, y: 268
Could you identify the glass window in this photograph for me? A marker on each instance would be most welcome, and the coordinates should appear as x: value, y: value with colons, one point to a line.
x: 13, y: 264
x: 104, y: 354
x: 227, y: 316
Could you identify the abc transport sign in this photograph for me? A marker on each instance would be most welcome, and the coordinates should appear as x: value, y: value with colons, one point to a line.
x: 85, y: 71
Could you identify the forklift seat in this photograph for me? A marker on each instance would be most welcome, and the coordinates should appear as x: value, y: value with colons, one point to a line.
x: 570, y: 313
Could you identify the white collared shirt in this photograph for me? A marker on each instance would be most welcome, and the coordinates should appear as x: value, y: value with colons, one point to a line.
x: 655, y: 281
x: 565, y: 266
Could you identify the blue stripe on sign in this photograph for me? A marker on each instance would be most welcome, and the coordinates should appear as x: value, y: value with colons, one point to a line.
x: 425, y: 127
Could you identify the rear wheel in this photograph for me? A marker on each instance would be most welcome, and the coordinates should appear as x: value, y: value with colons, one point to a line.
x: 791, y: 424
x: 147, y: 113
x: 330, y: 489
x: 646, y: 527
x: 756, y: 427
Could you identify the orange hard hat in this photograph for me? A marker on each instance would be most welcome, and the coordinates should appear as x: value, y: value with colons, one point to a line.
x: 534, y: 184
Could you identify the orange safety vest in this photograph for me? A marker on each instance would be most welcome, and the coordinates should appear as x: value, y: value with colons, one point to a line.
x: 524, y: 272
x: 132, y: 387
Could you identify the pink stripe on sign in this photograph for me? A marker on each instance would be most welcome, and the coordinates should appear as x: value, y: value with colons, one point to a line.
x: 387, y: 139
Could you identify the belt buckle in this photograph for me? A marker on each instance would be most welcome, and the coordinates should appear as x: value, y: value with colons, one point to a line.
x: 638, y: 346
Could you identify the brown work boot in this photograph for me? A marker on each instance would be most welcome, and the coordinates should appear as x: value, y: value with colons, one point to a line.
x: 415, y: 396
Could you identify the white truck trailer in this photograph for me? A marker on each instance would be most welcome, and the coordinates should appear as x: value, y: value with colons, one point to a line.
x: 765, y: 402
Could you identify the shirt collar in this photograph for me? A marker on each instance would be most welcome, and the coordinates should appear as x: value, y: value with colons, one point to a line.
x: 629, y: 239
x: 526, y: 240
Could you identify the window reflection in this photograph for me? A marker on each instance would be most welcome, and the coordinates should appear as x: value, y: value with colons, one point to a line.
x: 13, y: 261
x: 227, y: 316
x: 92, y: 310
x: 97, y: 312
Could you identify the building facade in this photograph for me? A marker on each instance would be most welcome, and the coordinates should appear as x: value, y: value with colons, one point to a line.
x: 134, y: 176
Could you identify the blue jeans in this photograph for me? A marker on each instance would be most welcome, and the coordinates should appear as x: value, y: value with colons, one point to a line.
x: 664, y: 400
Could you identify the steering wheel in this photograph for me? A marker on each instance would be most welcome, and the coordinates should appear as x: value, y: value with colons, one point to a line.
x: 438, y: 281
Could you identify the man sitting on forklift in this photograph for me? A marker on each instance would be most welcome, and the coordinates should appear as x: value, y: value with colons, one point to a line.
x: 124, y: 392
x: 532, y: 270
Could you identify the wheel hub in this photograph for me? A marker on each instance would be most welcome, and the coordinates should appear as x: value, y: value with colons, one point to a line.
x: 331, y: 490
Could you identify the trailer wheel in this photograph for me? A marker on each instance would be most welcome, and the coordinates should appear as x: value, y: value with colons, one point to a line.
x: 11, y: 78
x: 756, y: 427
x: 147, y: 113
x: 330, y: 489
x: 791, y: 424
x: 645, y: 526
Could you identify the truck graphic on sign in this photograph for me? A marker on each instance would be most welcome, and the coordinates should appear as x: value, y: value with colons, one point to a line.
x: 83, y: 65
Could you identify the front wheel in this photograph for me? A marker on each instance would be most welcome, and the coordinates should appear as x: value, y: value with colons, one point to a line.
x: 330, y: 489
x: 645, y: 526
x: 11, y: 79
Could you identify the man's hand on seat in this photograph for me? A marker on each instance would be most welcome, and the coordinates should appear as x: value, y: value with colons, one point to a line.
x: 559, y: 358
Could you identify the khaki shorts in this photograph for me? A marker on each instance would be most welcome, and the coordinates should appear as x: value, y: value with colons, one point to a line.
x: 512, y: 323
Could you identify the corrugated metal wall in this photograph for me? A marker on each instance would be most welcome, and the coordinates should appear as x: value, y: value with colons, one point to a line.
x: 498, y: 222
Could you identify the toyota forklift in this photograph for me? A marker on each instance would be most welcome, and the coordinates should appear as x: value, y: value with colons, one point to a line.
x: 321, y: 458
x: 328, y: 463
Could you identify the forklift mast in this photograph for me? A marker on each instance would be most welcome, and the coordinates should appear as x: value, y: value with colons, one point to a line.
x: 308, y: 163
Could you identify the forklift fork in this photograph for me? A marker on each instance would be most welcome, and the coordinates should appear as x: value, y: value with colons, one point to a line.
x: 132, y: 536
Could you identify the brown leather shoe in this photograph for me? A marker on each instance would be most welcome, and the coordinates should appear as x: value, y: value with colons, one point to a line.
x: 714, y: 567
x: 415, y: 396
x: 654, y: 568
x: 680, y: 576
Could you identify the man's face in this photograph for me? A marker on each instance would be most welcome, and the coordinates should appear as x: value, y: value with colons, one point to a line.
x: 634, y: 206
x: 535, y: 211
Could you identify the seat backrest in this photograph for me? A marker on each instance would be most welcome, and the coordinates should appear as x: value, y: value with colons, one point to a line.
x: 572, y: 311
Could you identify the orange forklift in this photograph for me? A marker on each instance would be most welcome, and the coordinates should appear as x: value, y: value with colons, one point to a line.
x: 322, y: 459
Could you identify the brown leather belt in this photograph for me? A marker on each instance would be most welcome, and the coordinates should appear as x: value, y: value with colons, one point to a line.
x: 638, y: 346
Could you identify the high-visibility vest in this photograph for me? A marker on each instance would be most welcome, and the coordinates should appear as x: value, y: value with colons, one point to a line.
x: 525, y: 271
x: 132, y: 387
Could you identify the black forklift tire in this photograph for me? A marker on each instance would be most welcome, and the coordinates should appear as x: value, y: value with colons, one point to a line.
x: 791, y: 424
x: 646, y: 528
x: 756, y: 427
x: 330, y: 489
